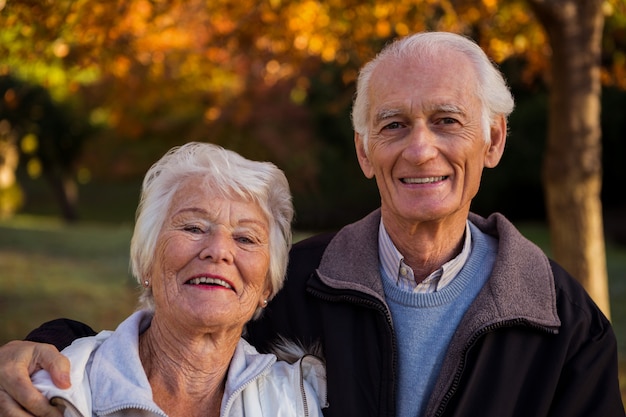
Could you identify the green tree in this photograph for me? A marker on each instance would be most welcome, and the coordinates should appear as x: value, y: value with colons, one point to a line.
x: 51, y: 139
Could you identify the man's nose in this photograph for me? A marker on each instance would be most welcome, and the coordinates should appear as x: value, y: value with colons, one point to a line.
x: 420, y: 145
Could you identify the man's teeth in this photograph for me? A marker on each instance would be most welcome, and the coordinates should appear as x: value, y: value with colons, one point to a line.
x: 210, y: 281
x: 426, y: 180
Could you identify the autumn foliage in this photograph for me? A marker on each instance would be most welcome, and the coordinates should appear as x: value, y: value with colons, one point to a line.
x: 271, y: 79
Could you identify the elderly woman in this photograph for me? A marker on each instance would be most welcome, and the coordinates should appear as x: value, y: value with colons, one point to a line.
x: 210, y: 249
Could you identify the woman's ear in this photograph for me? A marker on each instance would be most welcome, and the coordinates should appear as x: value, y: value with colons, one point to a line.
x: 495, y: 150
x: 265, y: 295
x: 362, y: 156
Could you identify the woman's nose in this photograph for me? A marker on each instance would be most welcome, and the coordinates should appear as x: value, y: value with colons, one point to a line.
x: 218, y: 247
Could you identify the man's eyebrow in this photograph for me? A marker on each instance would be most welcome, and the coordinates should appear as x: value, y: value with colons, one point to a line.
x: 447, y: 108
x: 385, y: 114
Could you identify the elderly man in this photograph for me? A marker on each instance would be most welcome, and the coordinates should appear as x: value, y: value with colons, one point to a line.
x: 423, y: 308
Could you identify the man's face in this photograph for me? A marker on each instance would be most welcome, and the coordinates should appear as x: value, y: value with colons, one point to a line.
x: 427, y: 146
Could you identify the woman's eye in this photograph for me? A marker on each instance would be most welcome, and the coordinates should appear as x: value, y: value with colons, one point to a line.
x: 192, y: 229
x: 245, y: 240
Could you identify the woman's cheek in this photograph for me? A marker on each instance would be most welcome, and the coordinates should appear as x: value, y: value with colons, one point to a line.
x: 173, y: 252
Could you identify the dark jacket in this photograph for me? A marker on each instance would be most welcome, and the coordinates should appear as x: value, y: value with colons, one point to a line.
x: 532, y: 343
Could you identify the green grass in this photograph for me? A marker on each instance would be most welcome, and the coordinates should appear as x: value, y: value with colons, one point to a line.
x: 49, y: 269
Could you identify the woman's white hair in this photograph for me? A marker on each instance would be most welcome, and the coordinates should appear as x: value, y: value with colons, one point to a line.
x: 491, y: 87
x: 226, y: 173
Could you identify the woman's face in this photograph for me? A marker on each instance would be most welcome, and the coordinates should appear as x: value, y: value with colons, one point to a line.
x: 212, y: 260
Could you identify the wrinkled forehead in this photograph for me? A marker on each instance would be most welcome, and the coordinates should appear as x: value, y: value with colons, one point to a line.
x: 203, y: 189
x: 423, y: 65
x: 432, y: 79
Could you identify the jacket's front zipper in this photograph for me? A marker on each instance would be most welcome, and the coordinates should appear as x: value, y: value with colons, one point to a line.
x: 66, y: 403
x: 63, y: 402
x: 134, y: 407
x: 375, y: 305
x: 457, y: 376
x: 302, y: 392
x: 244, y: 385
x: 452, y: 390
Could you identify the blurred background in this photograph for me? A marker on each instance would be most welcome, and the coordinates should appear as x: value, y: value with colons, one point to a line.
x: 92, y: 93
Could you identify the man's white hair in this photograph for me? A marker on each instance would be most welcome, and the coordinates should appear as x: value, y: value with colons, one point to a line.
x: 491, y: 88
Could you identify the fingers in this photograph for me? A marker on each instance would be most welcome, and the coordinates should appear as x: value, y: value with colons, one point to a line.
x: 10, y: 408
x: 48, y: 357
x: 18, y: 396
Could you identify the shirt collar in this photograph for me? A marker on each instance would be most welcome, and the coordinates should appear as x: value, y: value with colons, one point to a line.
x: 394, y: 269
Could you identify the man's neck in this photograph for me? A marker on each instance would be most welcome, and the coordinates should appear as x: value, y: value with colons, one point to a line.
x: 426, y: 246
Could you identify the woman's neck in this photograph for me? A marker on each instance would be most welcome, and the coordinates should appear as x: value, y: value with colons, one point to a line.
x: 187, y: 375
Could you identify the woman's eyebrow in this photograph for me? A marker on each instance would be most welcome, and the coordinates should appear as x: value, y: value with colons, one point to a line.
x: 256, y: 224
x: 191, y: 210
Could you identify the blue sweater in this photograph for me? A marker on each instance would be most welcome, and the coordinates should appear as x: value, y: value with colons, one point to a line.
x: 425, y: 323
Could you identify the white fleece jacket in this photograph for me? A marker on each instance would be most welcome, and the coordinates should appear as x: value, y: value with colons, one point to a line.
x: 108, y: 379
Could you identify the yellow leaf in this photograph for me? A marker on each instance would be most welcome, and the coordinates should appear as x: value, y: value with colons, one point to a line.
x: 29, y: 143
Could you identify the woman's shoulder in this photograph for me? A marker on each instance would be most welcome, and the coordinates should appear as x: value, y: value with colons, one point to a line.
x: 259, y: 385
x: 304, y: 367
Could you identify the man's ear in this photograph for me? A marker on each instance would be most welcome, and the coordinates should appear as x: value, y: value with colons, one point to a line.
x: 495, y: 150
x: 361, y: 155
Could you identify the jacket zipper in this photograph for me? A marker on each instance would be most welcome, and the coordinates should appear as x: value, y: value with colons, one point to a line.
x: 134, y: 407
x: 243, y: 386
x: 71, y: 406
x: 375, y: 305
x: 457, y: 376
x: 62, y: 402
x: 302, y: 392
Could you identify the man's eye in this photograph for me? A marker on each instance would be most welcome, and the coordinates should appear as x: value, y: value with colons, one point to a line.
x: 447, y: 121
x: 392, y: 125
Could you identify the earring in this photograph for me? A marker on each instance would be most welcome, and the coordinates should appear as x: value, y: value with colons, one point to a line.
x: 146, y: 283
x: 264, y: 303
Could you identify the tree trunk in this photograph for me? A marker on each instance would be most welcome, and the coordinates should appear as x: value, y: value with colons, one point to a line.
x: 66, y: 193
x: 572, y: 170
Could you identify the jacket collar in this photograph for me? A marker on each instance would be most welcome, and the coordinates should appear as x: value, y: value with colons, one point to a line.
x: 121, y: 382
x: 350, y: 260
x: 520, y: 291
x: 521, y: 285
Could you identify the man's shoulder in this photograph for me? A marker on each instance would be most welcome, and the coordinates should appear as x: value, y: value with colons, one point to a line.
x: 316, y: 245
x: 305, y: 256
x: 574, y: 302
x: 312, y: 245
x: 314, y: 241
x: 567, y: 285
x: 60, y: 332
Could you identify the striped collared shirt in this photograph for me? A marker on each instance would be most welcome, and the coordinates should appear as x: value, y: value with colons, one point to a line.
x: 394, y: 268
